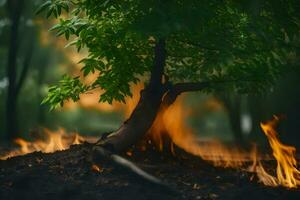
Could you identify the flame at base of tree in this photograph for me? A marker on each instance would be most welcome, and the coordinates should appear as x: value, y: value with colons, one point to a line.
x: 170, y: 125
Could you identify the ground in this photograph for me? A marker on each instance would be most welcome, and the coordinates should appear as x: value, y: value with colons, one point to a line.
x: 69, y: 175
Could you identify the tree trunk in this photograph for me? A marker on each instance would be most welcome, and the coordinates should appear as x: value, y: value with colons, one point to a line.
x: 233, y: 105
x: 157, y: 96
x: 41, y: 117
x: 235, y: 119
x: 145, y: 112
x: 14, y: 8
x: 138, y: 123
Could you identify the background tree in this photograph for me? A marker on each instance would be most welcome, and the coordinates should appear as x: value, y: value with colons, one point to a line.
x: 24, y: 60
x: 15, y: 83
x: 181, y: 46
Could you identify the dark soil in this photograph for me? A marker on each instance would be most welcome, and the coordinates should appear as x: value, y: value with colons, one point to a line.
x: 69, y: 175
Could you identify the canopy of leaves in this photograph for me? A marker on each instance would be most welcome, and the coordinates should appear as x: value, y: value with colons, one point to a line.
x: 206, y: 40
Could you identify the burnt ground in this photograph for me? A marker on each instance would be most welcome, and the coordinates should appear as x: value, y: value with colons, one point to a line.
x: 68, y: 175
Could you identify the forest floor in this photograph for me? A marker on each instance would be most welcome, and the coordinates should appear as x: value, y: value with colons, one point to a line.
x: 68, y: 175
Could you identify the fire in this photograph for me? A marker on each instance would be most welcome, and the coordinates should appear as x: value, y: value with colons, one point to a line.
x: 54, y: 141
x: 60, y: 140
x: 287, y: 173
x: 170, y: 129
x: 170, y: 123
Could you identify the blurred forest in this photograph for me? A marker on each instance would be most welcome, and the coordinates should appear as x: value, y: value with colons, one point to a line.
x: 33, y: 58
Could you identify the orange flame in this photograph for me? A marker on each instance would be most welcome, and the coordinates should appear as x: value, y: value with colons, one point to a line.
x: 287, y: 173
x: 170, y: 122
x: 55, y: 141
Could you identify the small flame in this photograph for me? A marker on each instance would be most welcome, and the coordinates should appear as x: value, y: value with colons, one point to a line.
x: 54, y: 141
x: 23, y: 144
x: 287, y: 173
x: 78, y: 139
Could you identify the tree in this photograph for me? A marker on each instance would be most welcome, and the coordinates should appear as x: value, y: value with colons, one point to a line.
x: 16, y: 72
x: 178, y: 45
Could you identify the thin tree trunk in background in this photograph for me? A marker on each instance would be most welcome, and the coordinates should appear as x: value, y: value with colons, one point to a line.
x: 258, y: 114
x: 41, y: 118
x: 14, y: 8
x: 235, y: 121
x: 26, y: 64
x: 233, y: 105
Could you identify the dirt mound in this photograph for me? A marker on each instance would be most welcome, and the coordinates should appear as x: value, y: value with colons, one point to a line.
x: 68, y: 175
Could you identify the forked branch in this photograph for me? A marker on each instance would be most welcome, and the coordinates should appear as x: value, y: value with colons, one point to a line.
x: 179, y: 88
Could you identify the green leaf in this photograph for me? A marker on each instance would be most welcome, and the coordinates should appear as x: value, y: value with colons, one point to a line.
x: 50, y: 11
x: 205, y: 41
x: 43, y: 7
x: 74, y: 42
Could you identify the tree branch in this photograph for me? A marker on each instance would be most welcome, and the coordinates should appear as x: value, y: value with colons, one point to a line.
x: 178, y: 88
x: 175, y: 90
x: 189, y: 87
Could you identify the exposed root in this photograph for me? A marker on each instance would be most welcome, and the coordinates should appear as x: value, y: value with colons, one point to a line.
x: 103, y: 153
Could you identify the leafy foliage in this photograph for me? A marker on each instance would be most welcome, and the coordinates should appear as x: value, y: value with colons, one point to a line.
x: 68, y: 88
x: 208, y: 40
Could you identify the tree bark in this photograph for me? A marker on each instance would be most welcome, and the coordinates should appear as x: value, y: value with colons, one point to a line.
x: 14, y: 8
x: 145, y: 112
